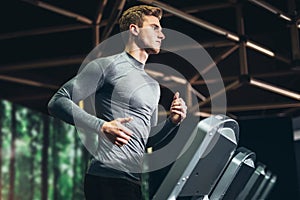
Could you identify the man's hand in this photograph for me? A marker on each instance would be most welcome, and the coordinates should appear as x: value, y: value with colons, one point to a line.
x: 178, y: 109
x: 116, y: 132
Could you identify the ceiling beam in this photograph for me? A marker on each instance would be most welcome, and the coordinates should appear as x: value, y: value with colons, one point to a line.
x: 276, y: 74
x: 48, y: 30
x: 231, y: 86
x: 60, y: 11
x: 263, y: 75
x: 99, y: 14
x: 188, y: 17
x: 47, y: 63
x: 28, y: 82
x: 216, y: 29
x: 77, y: 60
x: 274, y: 89
x: 42, y: 31
x: 217, y: 43
x: 254, y: 107
x: 272, y: 9
x: 100, y: 23
x: 202, y: 8
x: 113, y: 18
x: 219, y: 58
x: 96, y: 28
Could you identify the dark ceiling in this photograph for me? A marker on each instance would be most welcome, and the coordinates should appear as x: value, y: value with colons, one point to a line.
x: 44, y: 42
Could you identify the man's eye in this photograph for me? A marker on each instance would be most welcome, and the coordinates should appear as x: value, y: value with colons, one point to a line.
x: 155, y: 27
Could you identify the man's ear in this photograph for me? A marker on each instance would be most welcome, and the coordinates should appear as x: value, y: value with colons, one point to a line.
x: 134, y: 29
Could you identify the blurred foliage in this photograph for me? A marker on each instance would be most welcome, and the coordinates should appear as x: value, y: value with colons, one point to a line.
x: 66, y: 162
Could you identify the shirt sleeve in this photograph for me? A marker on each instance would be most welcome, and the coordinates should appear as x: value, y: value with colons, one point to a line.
x: 154, y: 118
x: 64, y: 103
x: 161, y: 132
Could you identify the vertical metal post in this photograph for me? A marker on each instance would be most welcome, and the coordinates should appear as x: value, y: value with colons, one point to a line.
x: 96, y: 35
x: 241, y: 33
x: 294, y: 31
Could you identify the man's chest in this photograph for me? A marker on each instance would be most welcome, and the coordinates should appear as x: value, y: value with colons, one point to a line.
x: 134, y: 89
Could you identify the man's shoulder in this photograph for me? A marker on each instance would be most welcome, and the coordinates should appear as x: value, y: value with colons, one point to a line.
x: 108, y: 60
x: 113, y: 64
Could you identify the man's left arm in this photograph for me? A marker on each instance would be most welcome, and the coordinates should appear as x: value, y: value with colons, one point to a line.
x: 178, y: 111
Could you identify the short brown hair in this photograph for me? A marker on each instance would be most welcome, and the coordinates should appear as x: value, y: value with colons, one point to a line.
x: 135, y: 15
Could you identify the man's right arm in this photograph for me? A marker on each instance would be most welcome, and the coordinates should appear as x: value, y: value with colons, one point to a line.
x: 64, y: 103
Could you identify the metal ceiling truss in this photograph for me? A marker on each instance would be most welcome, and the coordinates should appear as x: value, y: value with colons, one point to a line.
x: 243, y: 43
x: 233, y: 40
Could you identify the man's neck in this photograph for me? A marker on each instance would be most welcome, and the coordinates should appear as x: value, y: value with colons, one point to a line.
x: 139, y: 54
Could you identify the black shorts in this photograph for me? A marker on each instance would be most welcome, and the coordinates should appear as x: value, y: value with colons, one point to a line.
x: 102, y: 188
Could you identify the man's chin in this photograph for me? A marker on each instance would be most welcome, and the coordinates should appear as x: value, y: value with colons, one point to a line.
x: 153, y: 51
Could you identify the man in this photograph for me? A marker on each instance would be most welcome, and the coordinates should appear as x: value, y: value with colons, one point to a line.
x: 126, y: 101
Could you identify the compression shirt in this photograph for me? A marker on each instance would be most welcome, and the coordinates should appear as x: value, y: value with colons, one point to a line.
x: 120, y: 88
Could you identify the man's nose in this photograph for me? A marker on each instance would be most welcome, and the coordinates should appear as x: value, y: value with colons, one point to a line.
x: 161, y: 35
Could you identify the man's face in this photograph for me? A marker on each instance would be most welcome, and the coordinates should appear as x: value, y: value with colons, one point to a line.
x: 150, y: 35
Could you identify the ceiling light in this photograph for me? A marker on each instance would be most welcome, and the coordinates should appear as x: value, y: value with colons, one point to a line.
x: 264, y: 5
x: 233, y: 37
x: 272, y: 9
x: 188, y: 17
x: 259, y: 48
x: 275, y: 89
x: 285, y: 17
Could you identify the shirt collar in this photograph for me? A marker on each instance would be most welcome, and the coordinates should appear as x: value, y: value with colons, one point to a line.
x: 134, y: 61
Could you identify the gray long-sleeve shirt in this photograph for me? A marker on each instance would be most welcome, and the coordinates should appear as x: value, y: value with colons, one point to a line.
x: 120, y: 88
